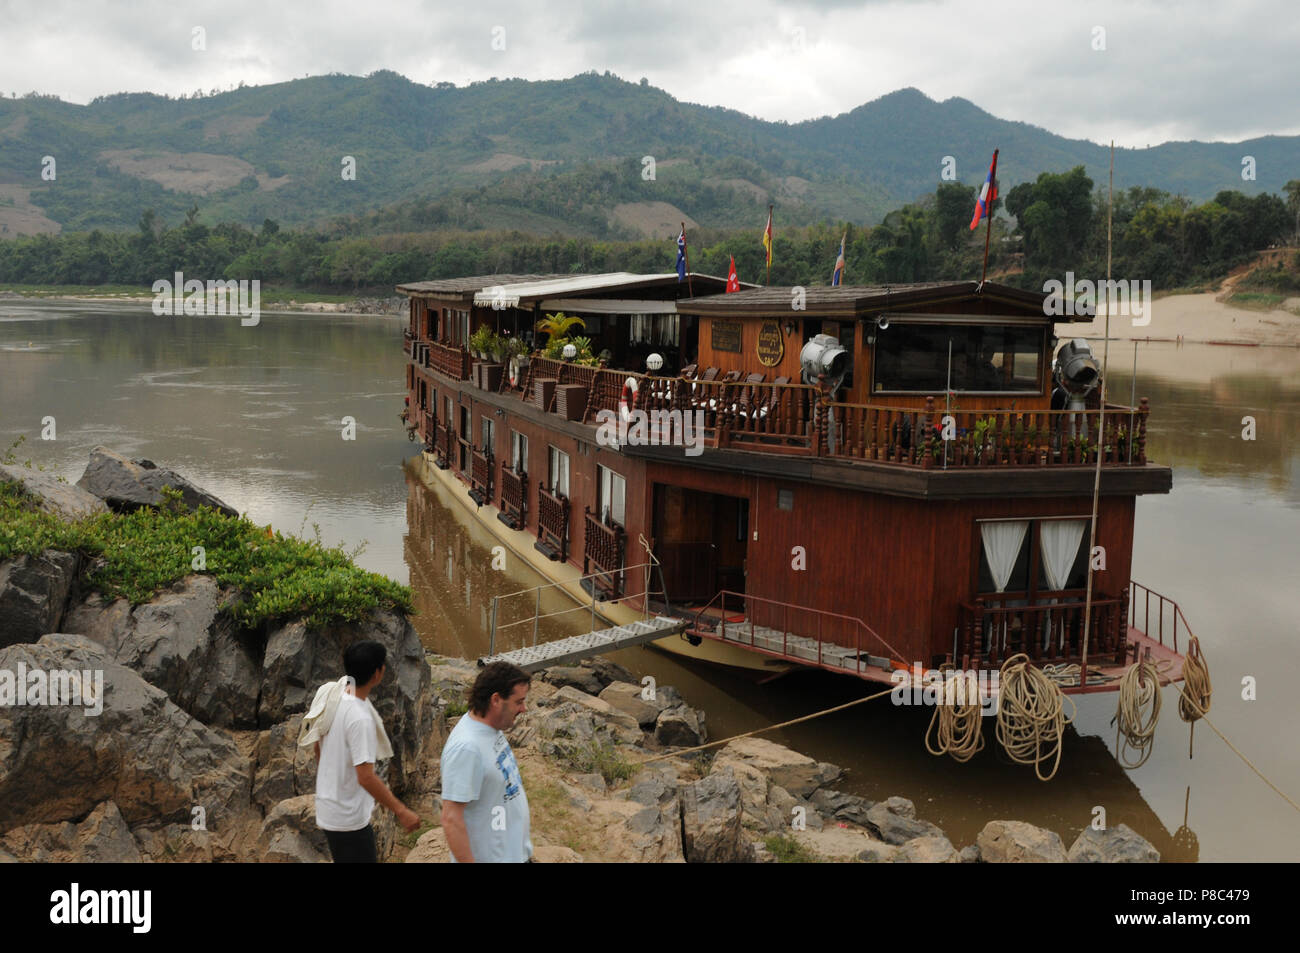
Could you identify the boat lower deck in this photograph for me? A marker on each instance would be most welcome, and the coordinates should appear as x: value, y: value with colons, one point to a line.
x: 1103, y: 672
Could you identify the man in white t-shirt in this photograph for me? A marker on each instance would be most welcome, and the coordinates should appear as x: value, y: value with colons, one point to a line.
x: 484, y: 808
x: 346, y: 784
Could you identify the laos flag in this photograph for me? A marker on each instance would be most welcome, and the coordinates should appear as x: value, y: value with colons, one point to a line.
x: 987, y: 194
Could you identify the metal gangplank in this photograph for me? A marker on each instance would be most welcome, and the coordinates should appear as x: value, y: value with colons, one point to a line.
x: 564, y: 651
x: 536, y: 656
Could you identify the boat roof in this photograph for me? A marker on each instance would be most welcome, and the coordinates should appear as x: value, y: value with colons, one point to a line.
x: 463, y: 286
x: 617, y: 285
x: 853, y: 300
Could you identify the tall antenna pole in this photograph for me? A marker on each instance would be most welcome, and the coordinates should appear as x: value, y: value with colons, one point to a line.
x: 1101, y: 433
x: 686, y: 252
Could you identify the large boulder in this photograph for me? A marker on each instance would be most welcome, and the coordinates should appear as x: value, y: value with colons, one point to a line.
x: 930, y: 849
x: 894, y: 822
x: 57, y: 762
x: 182, y: 643
x: 1114, y: 845
x: 607, y: 671
x: 682, y: 726
x: 797, y: 773
x: 711, y: 821
x: 753, y: 791
x: 126, y: 485
x: 281, y: 769
x: 290, y: 835
x: 626, y: 697
x: 298, y: 660
x: 33, y: 593
x: 574, y: 676
x: 598, y: 706
x: 65, y: 500
x: 842, y: 806
x: 1015, y: 842
x: 102, y: 837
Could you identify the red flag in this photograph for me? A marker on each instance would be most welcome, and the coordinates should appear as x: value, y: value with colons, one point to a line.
x: 988, y: 193
x: 733, y: 282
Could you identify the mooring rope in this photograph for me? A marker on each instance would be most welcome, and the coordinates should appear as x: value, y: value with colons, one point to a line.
x: 1138, y: 712
x: 1196, y: 685
x: 1031, y: 715
x: 959, y: 726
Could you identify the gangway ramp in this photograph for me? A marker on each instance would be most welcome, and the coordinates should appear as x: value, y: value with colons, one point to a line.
x: 532, y: 658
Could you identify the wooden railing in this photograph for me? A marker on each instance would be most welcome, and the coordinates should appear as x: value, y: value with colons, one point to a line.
x: 514, y: 495
x: 929, y: 437
x: 774, y: 415
x: 452, y: 361
x: 480, y: 474
x: 793, y: 418
x: 989, y: 633
x: 553, y: 521
x: 602, y: 553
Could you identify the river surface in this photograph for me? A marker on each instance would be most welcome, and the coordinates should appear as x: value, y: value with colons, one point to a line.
x: 256, y: 415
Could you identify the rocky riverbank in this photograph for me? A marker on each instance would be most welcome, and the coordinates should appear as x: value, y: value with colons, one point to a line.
x: 175, y: 736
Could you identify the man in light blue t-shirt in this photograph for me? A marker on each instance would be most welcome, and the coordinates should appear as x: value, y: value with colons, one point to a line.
x: 484, y: 808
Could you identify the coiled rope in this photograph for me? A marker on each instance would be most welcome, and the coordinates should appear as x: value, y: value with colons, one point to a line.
x: 1196, y: 688
x: 1138, y: 712
x: 958, y: 719
x: 1031, y: 715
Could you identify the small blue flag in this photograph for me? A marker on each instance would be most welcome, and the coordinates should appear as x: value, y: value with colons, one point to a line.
x: 681, y: 256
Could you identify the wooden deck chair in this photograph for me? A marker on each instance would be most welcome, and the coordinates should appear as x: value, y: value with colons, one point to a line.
x: 746, y: 402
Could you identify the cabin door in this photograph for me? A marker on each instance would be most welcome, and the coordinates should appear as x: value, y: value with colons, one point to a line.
x: 700, y: 539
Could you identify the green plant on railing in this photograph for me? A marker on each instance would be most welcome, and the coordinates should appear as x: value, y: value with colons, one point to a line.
x: 983, y: 437
x: 1081, y: 446
x: 482, y: 340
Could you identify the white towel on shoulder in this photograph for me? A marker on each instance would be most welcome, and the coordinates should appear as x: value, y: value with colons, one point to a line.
x: 320, y: 716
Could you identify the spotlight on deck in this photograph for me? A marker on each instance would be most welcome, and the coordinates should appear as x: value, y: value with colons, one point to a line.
x: 570, y: 352
x: 822, y: 355
x: 654, y: 362
x: 1077, y: 375
x: 1076, y: 369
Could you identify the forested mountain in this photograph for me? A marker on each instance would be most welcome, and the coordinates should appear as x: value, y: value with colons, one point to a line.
x: 562, y: 157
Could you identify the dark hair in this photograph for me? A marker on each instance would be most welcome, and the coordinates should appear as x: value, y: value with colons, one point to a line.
x: 363, y: 659
x: 499, y: 678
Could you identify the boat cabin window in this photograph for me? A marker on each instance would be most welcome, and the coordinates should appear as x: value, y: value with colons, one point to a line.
x: 460, y: 320
x: 995, y: 359
x: 613, y: 496
x: 1052, y: 554
x: 518, y: 452
x: 559, y: 472
x: 489, y: 436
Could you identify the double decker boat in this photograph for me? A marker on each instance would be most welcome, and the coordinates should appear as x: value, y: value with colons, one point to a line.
x: 864, y: 479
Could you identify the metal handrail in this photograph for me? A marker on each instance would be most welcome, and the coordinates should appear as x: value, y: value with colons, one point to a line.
x: 722, y: 594
x: 1177, y: 613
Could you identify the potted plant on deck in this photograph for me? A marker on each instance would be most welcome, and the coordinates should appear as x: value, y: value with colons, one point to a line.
x: 481, y: 341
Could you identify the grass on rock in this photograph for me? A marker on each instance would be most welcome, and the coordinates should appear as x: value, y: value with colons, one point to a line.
x: 141, y: 553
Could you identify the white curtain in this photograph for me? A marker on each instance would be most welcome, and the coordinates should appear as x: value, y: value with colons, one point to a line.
x: 1060, y: 540
x: 1002, y: 542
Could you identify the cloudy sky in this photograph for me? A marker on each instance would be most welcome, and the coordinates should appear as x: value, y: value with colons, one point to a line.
x: 1139, y: 71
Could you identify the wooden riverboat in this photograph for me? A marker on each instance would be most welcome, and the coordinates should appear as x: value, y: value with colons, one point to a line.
x: 924, y: 500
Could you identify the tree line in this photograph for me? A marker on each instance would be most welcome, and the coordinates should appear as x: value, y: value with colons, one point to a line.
x: 1040, y: 230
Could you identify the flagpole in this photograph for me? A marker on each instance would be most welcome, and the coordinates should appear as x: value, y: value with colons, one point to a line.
x: 989, y: 212
x: 686, y: 253
x: 771, y: 239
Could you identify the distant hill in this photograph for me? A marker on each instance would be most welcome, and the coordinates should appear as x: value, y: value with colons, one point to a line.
x: 560, y: 156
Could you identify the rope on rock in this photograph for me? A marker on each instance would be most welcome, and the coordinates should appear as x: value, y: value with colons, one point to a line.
x: 1031, y: 715
x: 1196, y: 685
x: 958, y: 716
x: 756, y: 731
x: 1138, y: 712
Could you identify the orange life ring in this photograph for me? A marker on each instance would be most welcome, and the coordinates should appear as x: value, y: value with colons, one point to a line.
x: 627, y: 402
